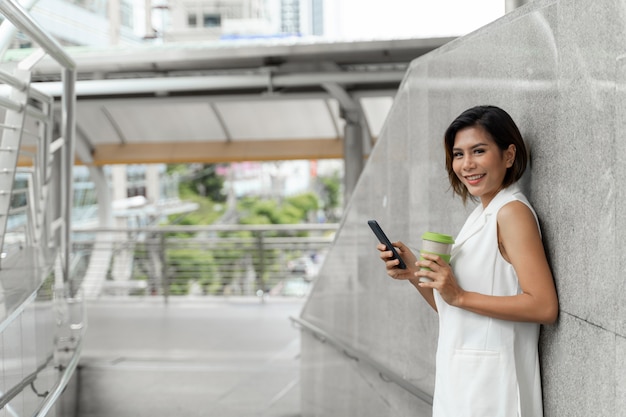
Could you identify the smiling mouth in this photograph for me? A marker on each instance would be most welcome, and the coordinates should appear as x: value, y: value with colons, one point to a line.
x: 472, y: 179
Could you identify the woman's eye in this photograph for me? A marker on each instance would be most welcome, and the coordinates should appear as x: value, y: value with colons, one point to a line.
x: 457, y: 154
x: 479, y: 150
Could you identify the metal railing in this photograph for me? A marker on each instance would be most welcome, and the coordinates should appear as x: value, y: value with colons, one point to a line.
x: 203, y: 260
x: 362, y: 358
x: 21, y: 19
x: 41, y: 350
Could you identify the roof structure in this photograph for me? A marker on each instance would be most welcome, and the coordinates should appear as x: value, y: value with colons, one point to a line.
x: 230, y: 101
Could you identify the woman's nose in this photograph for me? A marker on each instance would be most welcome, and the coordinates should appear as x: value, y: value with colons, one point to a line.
x: 468, y: 163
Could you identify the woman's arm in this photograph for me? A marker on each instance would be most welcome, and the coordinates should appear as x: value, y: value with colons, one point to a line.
x: 405, y: 274
x: 521, y: 245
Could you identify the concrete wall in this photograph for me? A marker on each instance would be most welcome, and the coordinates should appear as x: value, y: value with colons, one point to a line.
x: 559, y: 68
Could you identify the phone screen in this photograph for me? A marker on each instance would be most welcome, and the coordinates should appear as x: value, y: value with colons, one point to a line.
x: 382, y: 238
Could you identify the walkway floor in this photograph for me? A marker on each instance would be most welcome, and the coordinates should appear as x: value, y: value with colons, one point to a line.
x: 192, y: 357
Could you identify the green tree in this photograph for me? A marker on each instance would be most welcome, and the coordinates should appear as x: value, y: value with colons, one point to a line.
x: 292, y: 210
x: 191, y: 181
x: 213, y: 269
x: 209, y: 184
x: 331, y: 195
x: 306, y: 202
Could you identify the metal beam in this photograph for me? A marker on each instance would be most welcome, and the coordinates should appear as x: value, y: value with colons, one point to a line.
x: 222, y: 98
x: 164, y: 85
x: 209, y: 55
x: 216, y: 152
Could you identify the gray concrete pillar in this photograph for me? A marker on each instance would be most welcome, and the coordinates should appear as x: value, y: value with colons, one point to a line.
x: 351, y: 112
x: 510, y: 5
x: 352, y: 152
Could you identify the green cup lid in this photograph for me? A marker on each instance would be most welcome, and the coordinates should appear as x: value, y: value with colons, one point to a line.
x: 438, y: 237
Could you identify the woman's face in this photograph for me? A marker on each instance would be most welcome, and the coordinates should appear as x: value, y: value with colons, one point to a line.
x: 479, y: 163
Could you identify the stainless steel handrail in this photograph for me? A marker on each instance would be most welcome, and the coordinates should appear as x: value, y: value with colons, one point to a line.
x: 385, y: 373
x: 21, y: 19
x: 203, y: 260
x: 13, y: 11
x: 29, y: 379
x: 219, y: 228
x: 59, y: 387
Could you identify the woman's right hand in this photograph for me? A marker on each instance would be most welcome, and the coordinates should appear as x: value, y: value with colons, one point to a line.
x: 406, y: 274
x: 392, y: 264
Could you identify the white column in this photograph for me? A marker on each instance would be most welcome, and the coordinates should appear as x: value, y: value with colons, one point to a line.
x: 114, y: 12
x: 153, y: 183
x: 119, y: 182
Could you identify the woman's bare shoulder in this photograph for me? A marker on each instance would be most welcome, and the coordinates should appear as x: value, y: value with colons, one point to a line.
x: 515, y: 210
x: 516, y: 218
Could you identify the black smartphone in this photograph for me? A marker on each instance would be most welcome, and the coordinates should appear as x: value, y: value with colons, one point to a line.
x: 382, y: 238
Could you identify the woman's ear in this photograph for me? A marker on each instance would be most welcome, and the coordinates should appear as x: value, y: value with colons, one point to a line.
x: 509, y: 155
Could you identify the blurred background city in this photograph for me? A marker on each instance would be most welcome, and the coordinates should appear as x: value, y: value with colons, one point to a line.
x: 239, y: 191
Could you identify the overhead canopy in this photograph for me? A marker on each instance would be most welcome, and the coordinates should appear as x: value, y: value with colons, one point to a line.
x: 230, y: 101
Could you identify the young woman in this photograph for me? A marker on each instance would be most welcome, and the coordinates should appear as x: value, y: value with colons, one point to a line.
x: 498, y: 287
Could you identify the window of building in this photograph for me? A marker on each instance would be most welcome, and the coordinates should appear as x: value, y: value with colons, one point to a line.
x: 211, y: 20
x: 98, y: 7
x: 126, y: 12
x: 290, y: 16
x: 136, y: 180
x: 192, y: 20
x: 317, y: 17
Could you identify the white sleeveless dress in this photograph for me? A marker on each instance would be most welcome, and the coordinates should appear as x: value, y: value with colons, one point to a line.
x: 485, y: 367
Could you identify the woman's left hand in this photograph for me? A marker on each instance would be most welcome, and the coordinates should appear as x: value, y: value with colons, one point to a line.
x: 442, y: 277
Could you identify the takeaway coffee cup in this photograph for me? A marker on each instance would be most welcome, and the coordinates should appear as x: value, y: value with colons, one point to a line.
x: 437, y: 244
